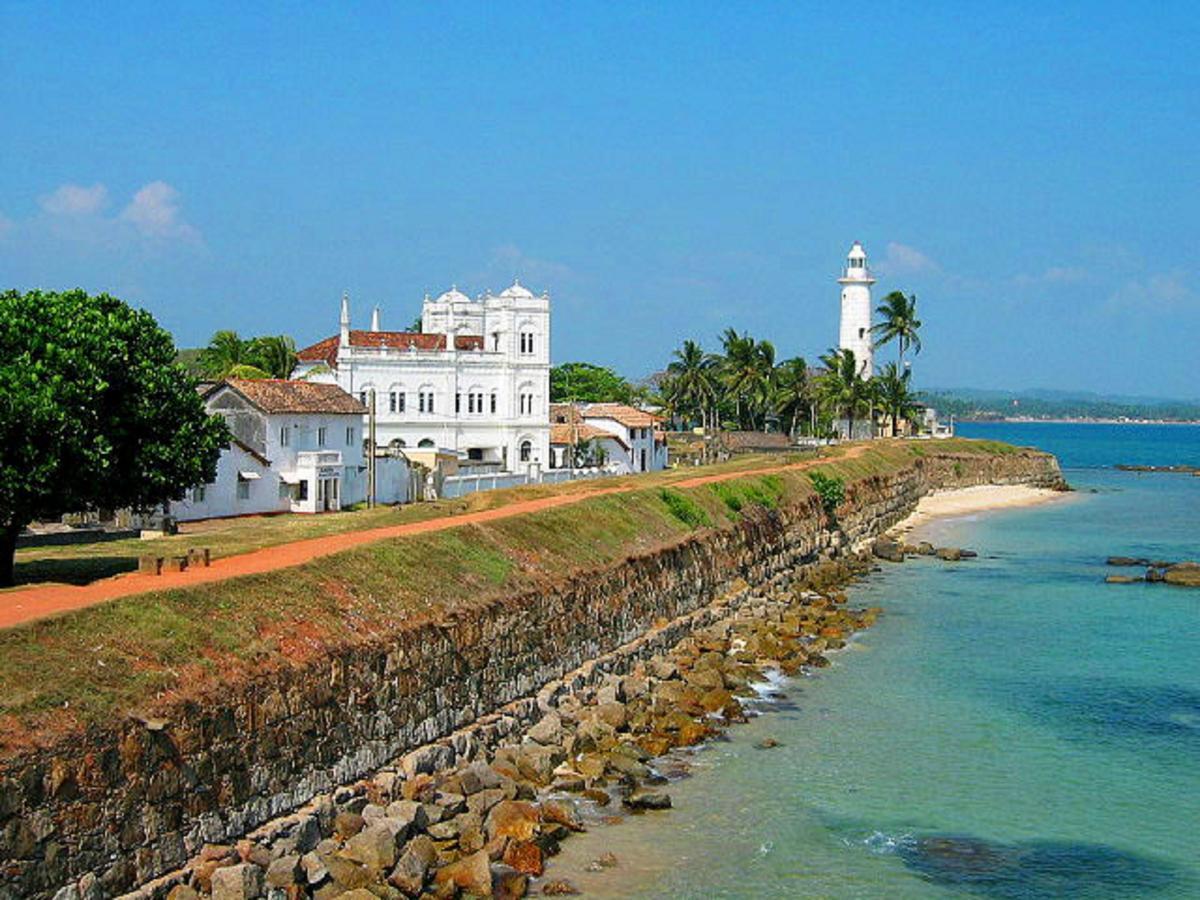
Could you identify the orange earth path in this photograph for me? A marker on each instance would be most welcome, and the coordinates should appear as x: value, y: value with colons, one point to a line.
x: 38, y: 601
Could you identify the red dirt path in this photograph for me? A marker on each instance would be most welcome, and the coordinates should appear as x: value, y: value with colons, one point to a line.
x: 39, y: 601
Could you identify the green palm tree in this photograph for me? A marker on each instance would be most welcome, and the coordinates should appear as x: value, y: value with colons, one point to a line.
x: 690, y: 384
x: 842, y: 389
x: 274, y: 354
x: 793, y: 393
x: 225, y: 351
x: 899, y: 323
x: 739, y: 372
x: 747, y: 373
x: 895, y: 396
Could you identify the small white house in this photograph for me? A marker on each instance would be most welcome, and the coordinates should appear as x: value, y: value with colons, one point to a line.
x: 297, y: 447
x: 628, y: 437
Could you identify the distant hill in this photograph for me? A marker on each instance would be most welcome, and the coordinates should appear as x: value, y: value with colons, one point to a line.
x: 1042, y: 403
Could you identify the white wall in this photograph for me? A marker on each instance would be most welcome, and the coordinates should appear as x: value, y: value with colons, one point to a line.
x: 500, y: 369
x: 220, y: 497
x: 639, y: 440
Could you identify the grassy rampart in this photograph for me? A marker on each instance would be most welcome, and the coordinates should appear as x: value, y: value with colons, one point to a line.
x: 133, y: 655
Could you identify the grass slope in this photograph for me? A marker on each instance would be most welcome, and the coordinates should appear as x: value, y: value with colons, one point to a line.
x: 132, y: 654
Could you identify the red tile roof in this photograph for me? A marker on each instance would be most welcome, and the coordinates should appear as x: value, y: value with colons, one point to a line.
x: 571, y: 434
x: 326, y: 351
x: 619, y: 412
x: 273, y: 395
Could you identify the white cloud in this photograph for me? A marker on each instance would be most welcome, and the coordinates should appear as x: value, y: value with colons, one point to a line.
x: 1055, y: 275
x: 75, y: 200
x: 508, y: 262
x: 154, y: 211
x: 901, y: 259
x: 1165, y: 291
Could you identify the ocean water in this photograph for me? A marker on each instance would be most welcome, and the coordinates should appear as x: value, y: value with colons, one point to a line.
x: 1012, y: 727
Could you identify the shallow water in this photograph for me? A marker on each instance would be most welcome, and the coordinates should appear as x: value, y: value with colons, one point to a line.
x: 1011, y: 728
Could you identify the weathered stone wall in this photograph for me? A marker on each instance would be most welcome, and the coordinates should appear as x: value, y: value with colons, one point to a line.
x: 133, y: 801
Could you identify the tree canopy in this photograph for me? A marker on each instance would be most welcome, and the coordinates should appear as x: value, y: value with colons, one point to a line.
x: 588, y: 383
x: 230, y: 356
x: 94, y: 412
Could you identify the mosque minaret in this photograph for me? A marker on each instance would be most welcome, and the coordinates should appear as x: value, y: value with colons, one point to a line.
x: 855, y: 333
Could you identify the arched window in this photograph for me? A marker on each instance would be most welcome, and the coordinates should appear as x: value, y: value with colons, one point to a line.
x: 425, y: 398
x: 397, y: 400
x: 475, y: 401
x: 425, y: 443
x: 526, y: 337
x: 364, y: 395
x: 525, y: 399
x: 526, y: 451
x: 397, y: 444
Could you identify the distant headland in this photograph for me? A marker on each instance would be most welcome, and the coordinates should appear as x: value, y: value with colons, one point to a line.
x: 969, y: 404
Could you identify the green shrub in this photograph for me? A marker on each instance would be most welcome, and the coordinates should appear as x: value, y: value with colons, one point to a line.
x: 728, y: 495
x: 832, y: 491
x: 684, y: 508
x: 765, y: 492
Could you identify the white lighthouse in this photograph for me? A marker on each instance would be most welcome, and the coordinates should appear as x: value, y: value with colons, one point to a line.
x: 855, y: 332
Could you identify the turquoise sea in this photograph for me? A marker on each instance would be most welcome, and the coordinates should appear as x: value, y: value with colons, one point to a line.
x: 1011, y: 728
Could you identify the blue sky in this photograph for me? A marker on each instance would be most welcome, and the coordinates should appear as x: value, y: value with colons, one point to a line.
x: 1029, y: 170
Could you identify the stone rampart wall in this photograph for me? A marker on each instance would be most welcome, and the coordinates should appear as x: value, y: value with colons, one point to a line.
x: 133, y: 801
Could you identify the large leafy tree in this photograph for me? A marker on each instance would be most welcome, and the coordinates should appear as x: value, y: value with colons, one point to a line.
x: 94, y: 412
x: 843, y: 389
x: 588, y: 383
x: 899, y: 323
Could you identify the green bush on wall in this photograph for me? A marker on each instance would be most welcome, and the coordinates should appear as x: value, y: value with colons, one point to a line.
x: 832, y: 491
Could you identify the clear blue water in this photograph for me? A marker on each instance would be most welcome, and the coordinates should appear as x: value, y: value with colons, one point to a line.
x: 1011, y: 728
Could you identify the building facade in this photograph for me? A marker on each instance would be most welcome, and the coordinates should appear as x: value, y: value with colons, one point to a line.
x: 855, y: 332
x: 629, y: 438
x: 297, y: 447
x: 475, y: 380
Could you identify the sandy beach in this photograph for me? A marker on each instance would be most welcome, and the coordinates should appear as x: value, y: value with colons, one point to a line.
x: 970, y: 501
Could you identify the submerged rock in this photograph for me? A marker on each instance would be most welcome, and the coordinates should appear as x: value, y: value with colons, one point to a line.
x: 559, y: 887
x: 1038, y: 870
x: 1127, y: 561
x: 648, y: 799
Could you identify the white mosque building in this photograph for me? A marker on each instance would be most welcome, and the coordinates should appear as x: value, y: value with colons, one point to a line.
x: 855, y: 332
x: 475, y: 380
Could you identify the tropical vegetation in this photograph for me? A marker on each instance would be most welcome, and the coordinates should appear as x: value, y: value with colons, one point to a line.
x: 745, y: 387
x: 588, y: 383
x: 230, y: 356
x: 94, y: 412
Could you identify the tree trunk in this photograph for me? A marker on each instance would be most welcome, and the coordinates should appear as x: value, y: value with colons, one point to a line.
x: 8, y: 550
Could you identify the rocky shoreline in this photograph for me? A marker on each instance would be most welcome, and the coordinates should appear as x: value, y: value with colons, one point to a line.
x: 429, y: 826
